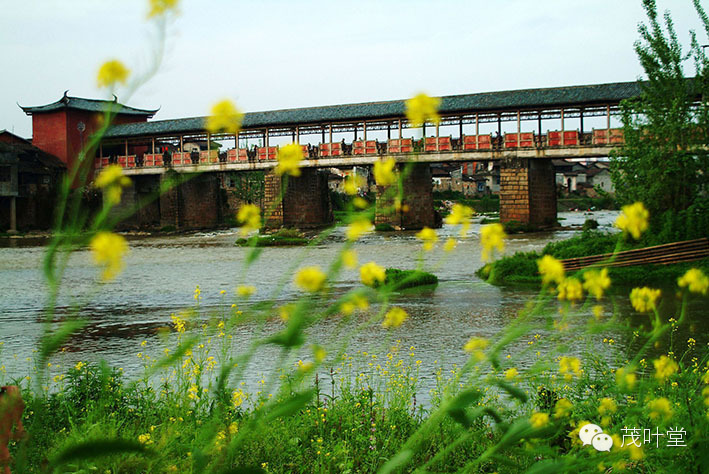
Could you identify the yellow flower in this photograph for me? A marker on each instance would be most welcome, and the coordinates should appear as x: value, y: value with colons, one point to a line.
x: 284, y: 312
x: 357, y: 228
x: 310, y: 279
x: 384, y: 173
x: 112, y: 181
x: 224, y: 117
x: 562, y: 408
x: 245, y: 291
x: 450, y: 245
x: 511, y: 373
x: 644, y: 299
x: 492, y: 236
x: 237, y: 398
x: 660, y: 409
x: 360, y: 203
x: 422, y: 108
x: 371, y: 274
x: 319, y: 353
x: 664, y: 367
x: 570, y: 289
x: 695, y: 280
x: 349, y: 258
x: 633, y: 220
x: 145, y: 439
x: 108, y: 250
x: 394, y: 318
x: 625, y: 378
x: 596, y: 282
x: 429, y: 238
x: 289, y: 158
x: 161, y: 7
x: 597, y: 311
x: 352, y: 184
x: 551, y: 269
x: 539, y: 420
x: 569, y: 367
x: 111, y: 72
x: 460, y: 214
x: 249, y: 216
x: 607, y: 406
x: 475, y: 346
x: 79, y: 365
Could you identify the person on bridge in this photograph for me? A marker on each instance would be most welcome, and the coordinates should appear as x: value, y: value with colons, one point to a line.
x: 11, y: 408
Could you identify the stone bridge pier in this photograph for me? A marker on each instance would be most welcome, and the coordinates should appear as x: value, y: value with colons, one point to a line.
x: 416, y: 209
x: 528, y: 191
x: 306, y: 200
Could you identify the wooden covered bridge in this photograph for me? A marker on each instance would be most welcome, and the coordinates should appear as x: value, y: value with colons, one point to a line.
x: 510, y: 126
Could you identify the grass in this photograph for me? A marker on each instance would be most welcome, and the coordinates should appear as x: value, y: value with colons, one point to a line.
x: 404, y: 279
x: 281, y: 238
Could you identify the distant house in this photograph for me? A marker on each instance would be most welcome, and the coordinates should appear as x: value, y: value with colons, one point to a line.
x: 28, y: 184
x: 579, y: 177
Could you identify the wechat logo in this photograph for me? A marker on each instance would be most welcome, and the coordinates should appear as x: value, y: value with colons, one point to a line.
x: 594, y: 435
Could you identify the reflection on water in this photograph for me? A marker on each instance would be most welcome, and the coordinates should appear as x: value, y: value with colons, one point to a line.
x: 161, y: 274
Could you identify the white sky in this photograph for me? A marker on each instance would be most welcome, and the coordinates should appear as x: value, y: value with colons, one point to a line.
x: 280, y: 54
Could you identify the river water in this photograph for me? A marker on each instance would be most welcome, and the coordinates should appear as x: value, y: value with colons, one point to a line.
x: 161, y: 274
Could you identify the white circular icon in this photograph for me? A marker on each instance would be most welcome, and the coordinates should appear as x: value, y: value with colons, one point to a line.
x: 587, y: 432
x: 602, y: 442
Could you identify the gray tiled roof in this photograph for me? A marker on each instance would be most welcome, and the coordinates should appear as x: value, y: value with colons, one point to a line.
x: 465, y: 103
x: 89, y: 105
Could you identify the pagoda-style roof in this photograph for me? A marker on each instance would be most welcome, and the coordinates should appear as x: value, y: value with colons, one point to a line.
x: 88, y: 105
x: 523, y: 99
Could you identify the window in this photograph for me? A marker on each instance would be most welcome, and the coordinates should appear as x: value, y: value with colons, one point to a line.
x: 5, y: 174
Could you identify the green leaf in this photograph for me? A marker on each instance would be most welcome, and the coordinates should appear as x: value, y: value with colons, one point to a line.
x: 177, y: 355
x: 52, y: 342
x: 98, y: 448
x: 291, y: 405
x: 458, y: 406
x: 512, y: 390
x: 401, y: 459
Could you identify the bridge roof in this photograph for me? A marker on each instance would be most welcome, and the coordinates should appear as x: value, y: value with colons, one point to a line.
x: 595, y: 94
x: 89, y: 105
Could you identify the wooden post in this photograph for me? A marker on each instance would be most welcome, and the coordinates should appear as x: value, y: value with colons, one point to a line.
x: 236, y: 145
x: 265, y: 141
x: 563, y: 142
x: 477, y: 131
x: 100, y: 150
x: 331, y: 135
x: 539, y: 122
x: 608, y: 121
x: 437, y: 135
x: 355, y: 132
x: 153, y: 142
x: 365, y: 134
x: 297, y: 134
x: 460, y: 130
x: 399, y: 131
x: 209, y: 148
x: 182, y: 143
x: 388, y: 130
x: 519, y: 127
x: 581, y: 119
x: 126, y: 149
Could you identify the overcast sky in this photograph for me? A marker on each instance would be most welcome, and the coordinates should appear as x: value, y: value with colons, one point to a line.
x: 281, y: 54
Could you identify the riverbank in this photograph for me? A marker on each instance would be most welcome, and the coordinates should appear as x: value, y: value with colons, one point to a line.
x: 521, y: 268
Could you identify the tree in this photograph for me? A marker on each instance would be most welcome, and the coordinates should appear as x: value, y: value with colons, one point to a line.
x: 664, y: 160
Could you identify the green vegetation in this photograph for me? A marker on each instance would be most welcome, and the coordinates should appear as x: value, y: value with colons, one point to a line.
x: 403, y: 279
x: 585, y: 202
x: 521, y: 268
x: 484, y: 204
x: 384, y: 227
x: 283, y: 237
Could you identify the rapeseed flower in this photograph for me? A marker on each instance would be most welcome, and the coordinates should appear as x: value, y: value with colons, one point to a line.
x: 644, y: 299
x: 245, y: 291
x: 429, y: 238
x: 384, y: 173
x: 352, y: 184
x: 112, y: 72
x: 162, y: 7
x: 112, y: 181
x: 492, y: 236
x: 569, y: 367
x: 224, y: 117
x: 460, y: 214
x: 357, y: 228
x: 664, y: 367
x: 289, y: 158
x: 539, y: 420
x: 633, y: 220
x: 394, y: 318
x: 450, y: 245
x: 310, y: 279
x: 108, y: 250
x: 570, y: 289
x: 249, y: 216
x: 371, y: 274
x: 349, y: 258
x: 551, y: 269
x: 475, y: 346
x: 511, y: 373
x: 562, y: 408
x: 625, y: 378
x: 596, y: 282
x: 695, y: 281
x: 660, y: 409
x: 607, y: 406
x: 421, y: 109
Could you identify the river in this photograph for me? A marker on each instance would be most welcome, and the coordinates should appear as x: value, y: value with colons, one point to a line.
x: 162, y: 272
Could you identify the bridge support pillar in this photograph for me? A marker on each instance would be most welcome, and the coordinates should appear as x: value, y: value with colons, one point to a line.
x: 528, y: 191
x: 306, y: 200
x: 416, y: 207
